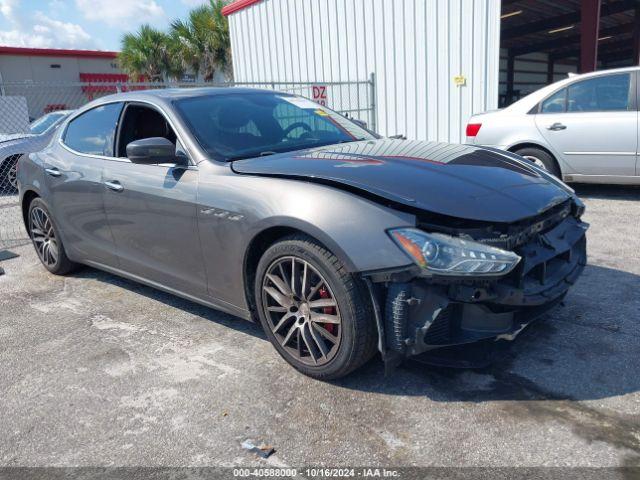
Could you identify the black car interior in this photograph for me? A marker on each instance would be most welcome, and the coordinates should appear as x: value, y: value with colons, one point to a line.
x: 142, y: 122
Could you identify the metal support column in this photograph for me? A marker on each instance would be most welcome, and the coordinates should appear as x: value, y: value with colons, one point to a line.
x: 636, y: 36
x: 589, y: 27
x: 372, y: 102
x: 551, y: 63
x: 511, y: 65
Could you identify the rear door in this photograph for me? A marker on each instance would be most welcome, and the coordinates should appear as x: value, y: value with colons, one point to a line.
x: 74, y: 179
x: 593, y: 124
x: 152, y: 209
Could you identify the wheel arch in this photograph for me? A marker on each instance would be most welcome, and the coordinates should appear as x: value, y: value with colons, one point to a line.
x: 270, y: 235
x: 27, y: 197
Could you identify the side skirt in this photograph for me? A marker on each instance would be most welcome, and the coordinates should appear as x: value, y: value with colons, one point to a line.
x: 215, y: 304
x: 605, y: 179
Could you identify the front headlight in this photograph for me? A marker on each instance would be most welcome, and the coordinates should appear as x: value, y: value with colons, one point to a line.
x: 445, y: 255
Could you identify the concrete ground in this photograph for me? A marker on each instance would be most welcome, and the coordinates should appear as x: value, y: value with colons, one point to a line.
x: 96, y: 370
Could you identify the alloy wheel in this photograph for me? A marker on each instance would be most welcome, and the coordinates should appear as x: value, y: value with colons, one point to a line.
x: 302, y: 311
x: 43, y: 236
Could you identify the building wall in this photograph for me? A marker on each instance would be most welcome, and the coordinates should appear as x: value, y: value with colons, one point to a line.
x: 37, y: 69
x: 415, y: 48
x: 45, y: 88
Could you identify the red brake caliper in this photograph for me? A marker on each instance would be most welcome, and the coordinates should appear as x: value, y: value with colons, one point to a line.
x: 329, y: 327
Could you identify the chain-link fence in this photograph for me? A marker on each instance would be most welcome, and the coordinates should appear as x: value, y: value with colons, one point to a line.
x: 30, y: 113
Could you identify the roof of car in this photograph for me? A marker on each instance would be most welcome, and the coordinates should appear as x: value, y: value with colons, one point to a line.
x: 526, y: 103
x: 194, y: 92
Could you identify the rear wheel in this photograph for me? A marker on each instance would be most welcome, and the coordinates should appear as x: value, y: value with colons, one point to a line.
x: 540, y: 158
x: 315, y: 313
x: 46, y: 239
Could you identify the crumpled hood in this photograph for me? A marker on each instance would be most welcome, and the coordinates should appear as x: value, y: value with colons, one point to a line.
x: 455, y: 180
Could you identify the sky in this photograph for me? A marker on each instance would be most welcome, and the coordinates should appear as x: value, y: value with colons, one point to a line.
x: 83, y: 24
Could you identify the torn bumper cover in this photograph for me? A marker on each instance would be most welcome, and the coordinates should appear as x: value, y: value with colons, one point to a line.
x: 423, y: 313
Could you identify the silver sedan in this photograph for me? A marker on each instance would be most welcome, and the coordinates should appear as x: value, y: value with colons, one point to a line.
x: 582, y: 129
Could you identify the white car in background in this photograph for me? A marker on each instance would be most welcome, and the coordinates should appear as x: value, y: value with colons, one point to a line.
x: 13, y: 146
x: 583, y: 128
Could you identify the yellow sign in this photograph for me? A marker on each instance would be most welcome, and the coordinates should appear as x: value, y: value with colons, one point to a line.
x: 459, y: 80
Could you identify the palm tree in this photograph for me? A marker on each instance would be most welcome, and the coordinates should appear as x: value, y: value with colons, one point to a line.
x: 222, y: 39
x: 202, y: 42
x: 148, y: 54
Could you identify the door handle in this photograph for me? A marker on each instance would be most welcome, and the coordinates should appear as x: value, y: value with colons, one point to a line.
x: 54, y: 172
x: 556, y: 126
x: 114, y: 185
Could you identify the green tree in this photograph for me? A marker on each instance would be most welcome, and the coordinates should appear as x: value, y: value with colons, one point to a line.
x: 149, y: 54
x: 202, y: 43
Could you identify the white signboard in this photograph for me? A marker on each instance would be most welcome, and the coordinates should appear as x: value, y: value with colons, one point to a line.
x: 320, y: 94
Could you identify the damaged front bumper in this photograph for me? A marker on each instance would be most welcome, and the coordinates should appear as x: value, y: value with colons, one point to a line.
x: 417, y: 313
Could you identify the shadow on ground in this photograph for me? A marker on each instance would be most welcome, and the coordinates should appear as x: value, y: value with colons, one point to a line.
x: 192, y: 308
x: 584, y: 350
x: 620, y: 192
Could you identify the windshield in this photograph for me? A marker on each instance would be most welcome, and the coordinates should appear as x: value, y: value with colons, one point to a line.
x: 43, y: 123
x: 243, y: 125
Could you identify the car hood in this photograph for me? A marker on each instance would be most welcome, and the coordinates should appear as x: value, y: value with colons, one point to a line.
x: 456, y: 180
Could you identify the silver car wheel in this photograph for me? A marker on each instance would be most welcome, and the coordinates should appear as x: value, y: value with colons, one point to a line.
x: 302, y: 311
x: 536, y: 161
x: 43, y: 236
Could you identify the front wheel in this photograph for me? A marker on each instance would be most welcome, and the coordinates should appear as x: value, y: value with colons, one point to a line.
x: 315, y: 313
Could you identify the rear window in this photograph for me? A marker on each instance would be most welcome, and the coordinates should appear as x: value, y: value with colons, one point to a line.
x: 555, y: 103
x: 94, y: 131
x: 242, y: 125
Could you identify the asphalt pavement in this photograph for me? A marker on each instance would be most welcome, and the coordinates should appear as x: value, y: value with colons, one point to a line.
x: 97, y: 370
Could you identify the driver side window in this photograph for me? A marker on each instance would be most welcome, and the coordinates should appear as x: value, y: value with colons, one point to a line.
x: 140, y: 122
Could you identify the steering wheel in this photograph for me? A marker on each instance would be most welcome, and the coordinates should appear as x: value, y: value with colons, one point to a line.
x: 295, y: 125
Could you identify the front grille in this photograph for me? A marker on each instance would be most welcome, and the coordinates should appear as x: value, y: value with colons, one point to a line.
x: 539, y: 272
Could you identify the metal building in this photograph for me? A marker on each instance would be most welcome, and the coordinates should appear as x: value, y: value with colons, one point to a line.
x: 435, y: 62
x: 40, y: 65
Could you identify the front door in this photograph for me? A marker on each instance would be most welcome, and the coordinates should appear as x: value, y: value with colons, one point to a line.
x: 593, y: 125
x: 74, y: 178
x: 152, y: 210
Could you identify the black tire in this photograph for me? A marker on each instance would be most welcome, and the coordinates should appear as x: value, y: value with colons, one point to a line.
x: 536, y: 155
x: 61, y: 265
x: 357, y: 330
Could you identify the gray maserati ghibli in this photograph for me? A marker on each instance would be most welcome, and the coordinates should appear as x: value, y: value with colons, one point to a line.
x: 273, y: 208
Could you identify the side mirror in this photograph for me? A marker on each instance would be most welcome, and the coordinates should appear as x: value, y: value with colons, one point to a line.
x: 152, y: 151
